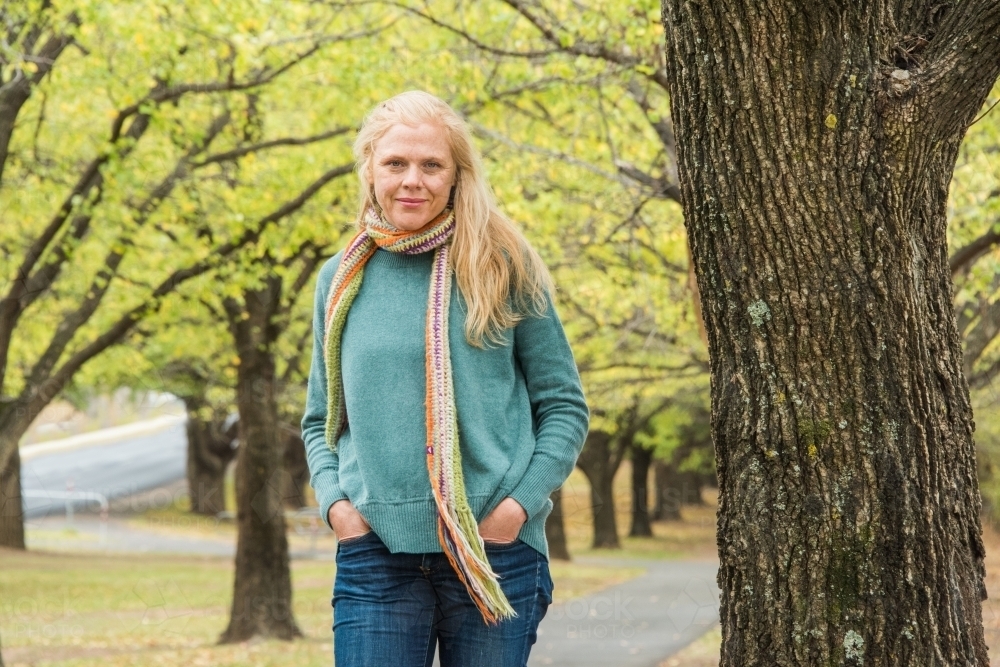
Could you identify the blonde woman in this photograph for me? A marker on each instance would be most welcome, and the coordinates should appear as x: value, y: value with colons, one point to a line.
x: 443, y: 408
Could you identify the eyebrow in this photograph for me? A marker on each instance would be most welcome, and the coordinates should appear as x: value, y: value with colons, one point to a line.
x: 435, y: 158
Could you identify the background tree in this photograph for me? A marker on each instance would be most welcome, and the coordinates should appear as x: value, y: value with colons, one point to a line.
x: 257, y: 318
x: 84, y: 285
x: 681, y: 451
x: 641, y: 458
x: 840, y: 412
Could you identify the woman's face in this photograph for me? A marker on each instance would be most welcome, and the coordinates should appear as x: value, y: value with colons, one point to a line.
x: 412, y: 173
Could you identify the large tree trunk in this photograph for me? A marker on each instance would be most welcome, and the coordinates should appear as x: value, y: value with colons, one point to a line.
x: 209, y: 453
x: 262, y: 595
x: 555, y: 529
x: 599, y: 462
x: 816, y: 143
x: 11, y: 504
x: 641, y: 459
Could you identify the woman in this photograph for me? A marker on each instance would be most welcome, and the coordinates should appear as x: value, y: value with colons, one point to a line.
x: 441, y: 413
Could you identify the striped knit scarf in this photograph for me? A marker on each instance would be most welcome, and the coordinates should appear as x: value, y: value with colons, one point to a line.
x: 457, y: 528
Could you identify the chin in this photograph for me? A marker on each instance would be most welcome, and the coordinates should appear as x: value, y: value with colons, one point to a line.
x: 409, y: 221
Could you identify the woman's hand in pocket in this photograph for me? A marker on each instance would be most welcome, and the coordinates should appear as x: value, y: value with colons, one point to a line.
x: 504, y: 523
x: 347, y: 521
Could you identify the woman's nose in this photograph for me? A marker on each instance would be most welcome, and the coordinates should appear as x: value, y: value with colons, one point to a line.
x: 411, y: 178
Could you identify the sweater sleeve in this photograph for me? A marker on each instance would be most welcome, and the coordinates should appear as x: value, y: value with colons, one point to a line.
x: 324, y: 464
x: 559, y: 410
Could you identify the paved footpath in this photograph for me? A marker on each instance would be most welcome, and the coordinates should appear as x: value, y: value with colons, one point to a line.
x: 638, y: 623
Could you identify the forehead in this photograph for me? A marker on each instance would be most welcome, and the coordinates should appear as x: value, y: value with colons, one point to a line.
x: 420, y: 141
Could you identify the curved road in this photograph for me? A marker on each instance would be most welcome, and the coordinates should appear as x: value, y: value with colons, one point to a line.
x: 115, y: 462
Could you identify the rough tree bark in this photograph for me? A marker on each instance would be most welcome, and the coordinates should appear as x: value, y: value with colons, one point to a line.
x: 816, y: 142
x: 555, y: 529
x: 262, y: 591
x: 641, y: 460
x: 209, y: 453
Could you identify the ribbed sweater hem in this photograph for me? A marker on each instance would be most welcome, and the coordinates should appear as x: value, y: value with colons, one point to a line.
x: 411, y: 526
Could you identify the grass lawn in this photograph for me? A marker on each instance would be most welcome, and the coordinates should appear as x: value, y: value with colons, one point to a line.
x: 81, y: 609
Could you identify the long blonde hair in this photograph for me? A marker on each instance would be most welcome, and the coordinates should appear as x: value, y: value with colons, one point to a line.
x: 501, y: 277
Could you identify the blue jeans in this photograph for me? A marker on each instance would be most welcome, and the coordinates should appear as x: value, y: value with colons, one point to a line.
x: 390, y: 610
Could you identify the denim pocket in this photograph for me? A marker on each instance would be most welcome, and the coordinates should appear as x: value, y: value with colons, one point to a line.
x: 357, y: 538
x: 495, y: 546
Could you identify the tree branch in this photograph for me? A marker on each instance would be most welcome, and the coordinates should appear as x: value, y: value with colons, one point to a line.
x: 967, y: 255
x: 467, y: 36
x: 963, y: 61
x: 36, y: 397
x: 555, y: 155
x: 27, y: 286
x: 981, y: 335
x: 581, y: 47
x: 264, y: 145
x: 16, y: 92
x: 101, y: 283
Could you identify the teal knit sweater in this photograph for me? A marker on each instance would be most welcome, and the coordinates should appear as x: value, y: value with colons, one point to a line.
x: 522, y: 417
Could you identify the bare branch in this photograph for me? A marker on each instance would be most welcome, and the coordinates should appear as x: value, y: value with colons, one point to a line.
x: 467, y: 36
x: 967, y: 255
x: 581, y: 47
x: 264, y: 145
x: 981, y: 335
x: 555, y: 155
x: 659, y: 187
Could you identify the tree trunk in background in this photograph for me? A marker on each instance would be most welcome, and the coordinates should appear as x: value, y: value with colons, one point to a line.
x: 555, y: 529
x: 262, y: 595
x: 667, y: 499
x: 209, y: 453
x: 641, y: 459
x: 675, y: 488
x: 11, y: 504
x: 599, y: 462
x: 296, y: 470
x: 816, y: 143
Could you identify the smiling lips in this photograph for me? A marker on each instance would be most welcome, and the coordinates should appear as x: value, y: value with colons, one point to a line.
x: 411, y: 202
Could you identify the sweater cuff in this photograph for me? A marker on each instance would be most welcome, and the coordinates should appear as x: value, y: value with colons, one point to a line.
x: 328, y: 491
x: 533, y: 491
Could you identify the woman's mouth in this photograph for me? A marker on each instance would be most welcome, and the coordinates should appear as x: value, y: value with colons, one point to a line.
x: 410, y: 203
